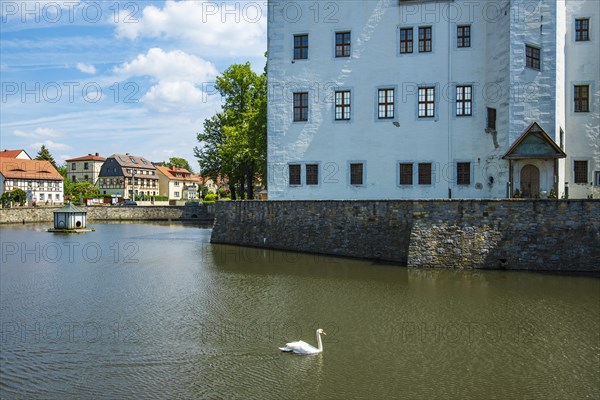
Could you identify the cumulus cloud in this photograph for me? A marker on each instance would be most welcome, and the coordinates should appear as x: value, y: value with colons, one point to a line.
x: 86, y: 68
x: 231, y: 28
x: 38, y: 133
x: 50, y: 145
x: 180, y: 78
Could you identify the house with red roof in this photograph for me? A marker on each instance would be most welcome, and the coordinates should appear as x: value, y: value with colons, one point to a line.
x: 38, y: 178
x: 20, y: 154
x: 177, y: 183
x: 86, y: 168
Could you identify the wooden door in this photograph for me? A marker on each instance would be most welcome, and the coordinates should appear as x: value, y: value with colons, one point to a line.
x: 530, y: 181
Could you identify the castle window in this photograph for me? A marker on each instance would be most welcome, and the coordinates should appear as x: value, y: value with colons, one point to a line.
x: 580, y: 169
x: 491, y: 118
x: 312, y: 174
x: 300, y: 47
x: 295, y: 172
x: 406, y: 174
x: 385, y: 103
x: 582, y: 98
x: 342, y: 44
x: 406, y: 40
x: 464, y: 96
x: 424, y: 173
x: 301, y: 106
x: 532, y: 57
x: 342, y: 105
x: 426, y: 102
x: 582, y: 29
x: 463, y: 173
x: 356, y: 173
x: 463, y: 36
x: 425, y: 39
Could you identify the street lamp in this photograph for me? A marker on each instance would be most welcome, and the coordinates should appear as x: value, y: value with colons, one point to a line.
x: 133, y: 172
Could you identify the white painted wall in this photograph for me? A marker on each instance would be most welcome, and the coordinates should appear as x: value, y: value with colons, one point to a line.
x: 494, y: 65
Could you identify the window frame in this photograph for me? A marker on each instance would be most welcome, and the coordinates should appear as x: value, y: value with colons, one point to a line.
x: 461, y: 40
x: 577, y: 175
x: 426, y: 102
x: 303, y: 109
x: 491, y: 122
x: 301, y: 48
x: 386, y: 104
x: 463, y: 102
x: 424, y: 41
x: 306, y: 174
x: 582, y: 34
x: 462, y: 173
x: 407, y: 42
x: 342, y: 47
x: 401, y: 174
x: 343, y: 106
x: 419, y: 175
x: 531, y: 61
x: 578, y: 101
x: 299, y: 166
x: 363, y: 173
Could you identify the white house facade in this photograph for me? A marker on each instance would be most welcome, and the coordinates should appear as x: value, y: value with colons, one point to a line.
x: 397, y: 99
x: 38, y: 178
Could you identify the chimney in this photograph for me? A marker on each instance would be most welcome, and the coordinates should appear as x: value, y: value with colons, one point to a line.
x: 97, y: 154
x: 89, y: 154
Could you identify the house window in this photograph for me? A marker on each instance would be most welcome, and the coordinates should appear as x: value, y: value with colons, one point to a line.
x: 597, y: 178
x: 463, y: 36
x: 73, y: 179
x: 300, y: 47
x: 580, y: 171
x: 385, y: 103
x: 295, y: 174
x: 176, y: 183
x: 464, y: 100
x: 41, y: 196
x: 57, y: 196
x: 312, y: 174
x: 406, y: 174
x: 425, y: 39
x: 86, y: 166
x: 342, y: 105
x: 582, y: 98
x: 85, y: 178
x: 73, y: 167
x: 532, y: 57
x: 356, y: 174
x: 406, y: 40
x: 176, y: 194
x: 342, y: 44
x: 424, y: 173
x: 463, y: 173
x: 301, y: 106
x: 582, y: 29
x: 491, y: 118
x: 426, y: 102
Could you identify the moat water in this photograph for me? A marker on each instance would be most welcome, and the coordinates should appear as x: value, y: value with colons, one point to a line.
x: 156, y: 311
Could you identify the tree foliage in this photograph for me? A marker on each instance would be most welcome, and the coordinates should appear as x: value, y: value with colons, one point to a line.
x: 233, y: 144
x: 177, y: 162
x: 44, y: 154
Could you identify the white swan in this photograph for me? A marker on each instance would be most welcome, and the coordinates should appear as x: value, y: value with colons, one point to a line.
x: 304, y: 348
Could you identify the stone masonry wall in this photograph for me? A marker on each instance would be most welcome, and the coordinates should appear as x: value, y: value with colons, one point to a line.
x: 203, y: 214
x: 553, y: 235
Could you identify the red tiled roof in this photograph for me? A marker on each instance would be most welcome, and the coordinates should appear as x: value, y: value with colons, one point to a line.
x: 11, y: 153
x: 15, y: 168
x: 89, y: 157
x: 171, y: 173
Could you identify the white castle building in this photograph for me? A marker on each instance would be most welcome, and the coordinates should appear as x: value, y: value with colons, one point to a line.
x: 393, y: 99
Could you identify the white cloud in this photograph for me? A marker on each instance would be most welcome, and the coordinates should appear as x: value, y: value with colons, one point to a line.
x: 174, y: 96
x: 50, y: 145
x: 172, y: 65
x: 86, y: 68
x: 224, y: 28
x: 38, y: 133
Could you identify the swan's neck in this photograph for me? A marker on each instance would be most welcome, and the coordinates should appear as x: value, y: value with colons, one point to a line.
x: 320, y: 343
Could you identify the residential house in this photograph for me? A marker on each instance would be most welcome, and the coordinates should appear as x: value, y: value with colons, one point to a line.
x: 124, y: 175
x: 177, y: 183
x: 86, y: 168
x: 20, y: 154
x: 434, y: 99
x: 39, y: 179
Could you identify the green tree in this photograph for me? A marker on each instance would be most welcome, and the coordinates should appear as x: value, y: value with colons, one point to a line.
x: 18, y: 196
x: 67, y: 183
x: 177, y: 162
x: 234, y: 141
x: 44, y: 154
x: 84, y: 189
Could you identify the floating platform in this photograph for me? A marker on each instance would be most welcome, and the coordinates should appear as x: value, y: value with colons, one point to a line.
x: 58, y: 230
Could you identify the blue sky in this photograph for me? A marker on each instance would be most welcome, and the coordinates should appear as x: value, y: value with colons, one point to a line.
x: 119, y: 77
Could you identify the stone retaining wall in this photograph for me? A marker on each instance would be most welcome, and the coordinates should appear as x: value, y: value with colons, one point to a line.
x: 553, y: 235
x: 203, y: 214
